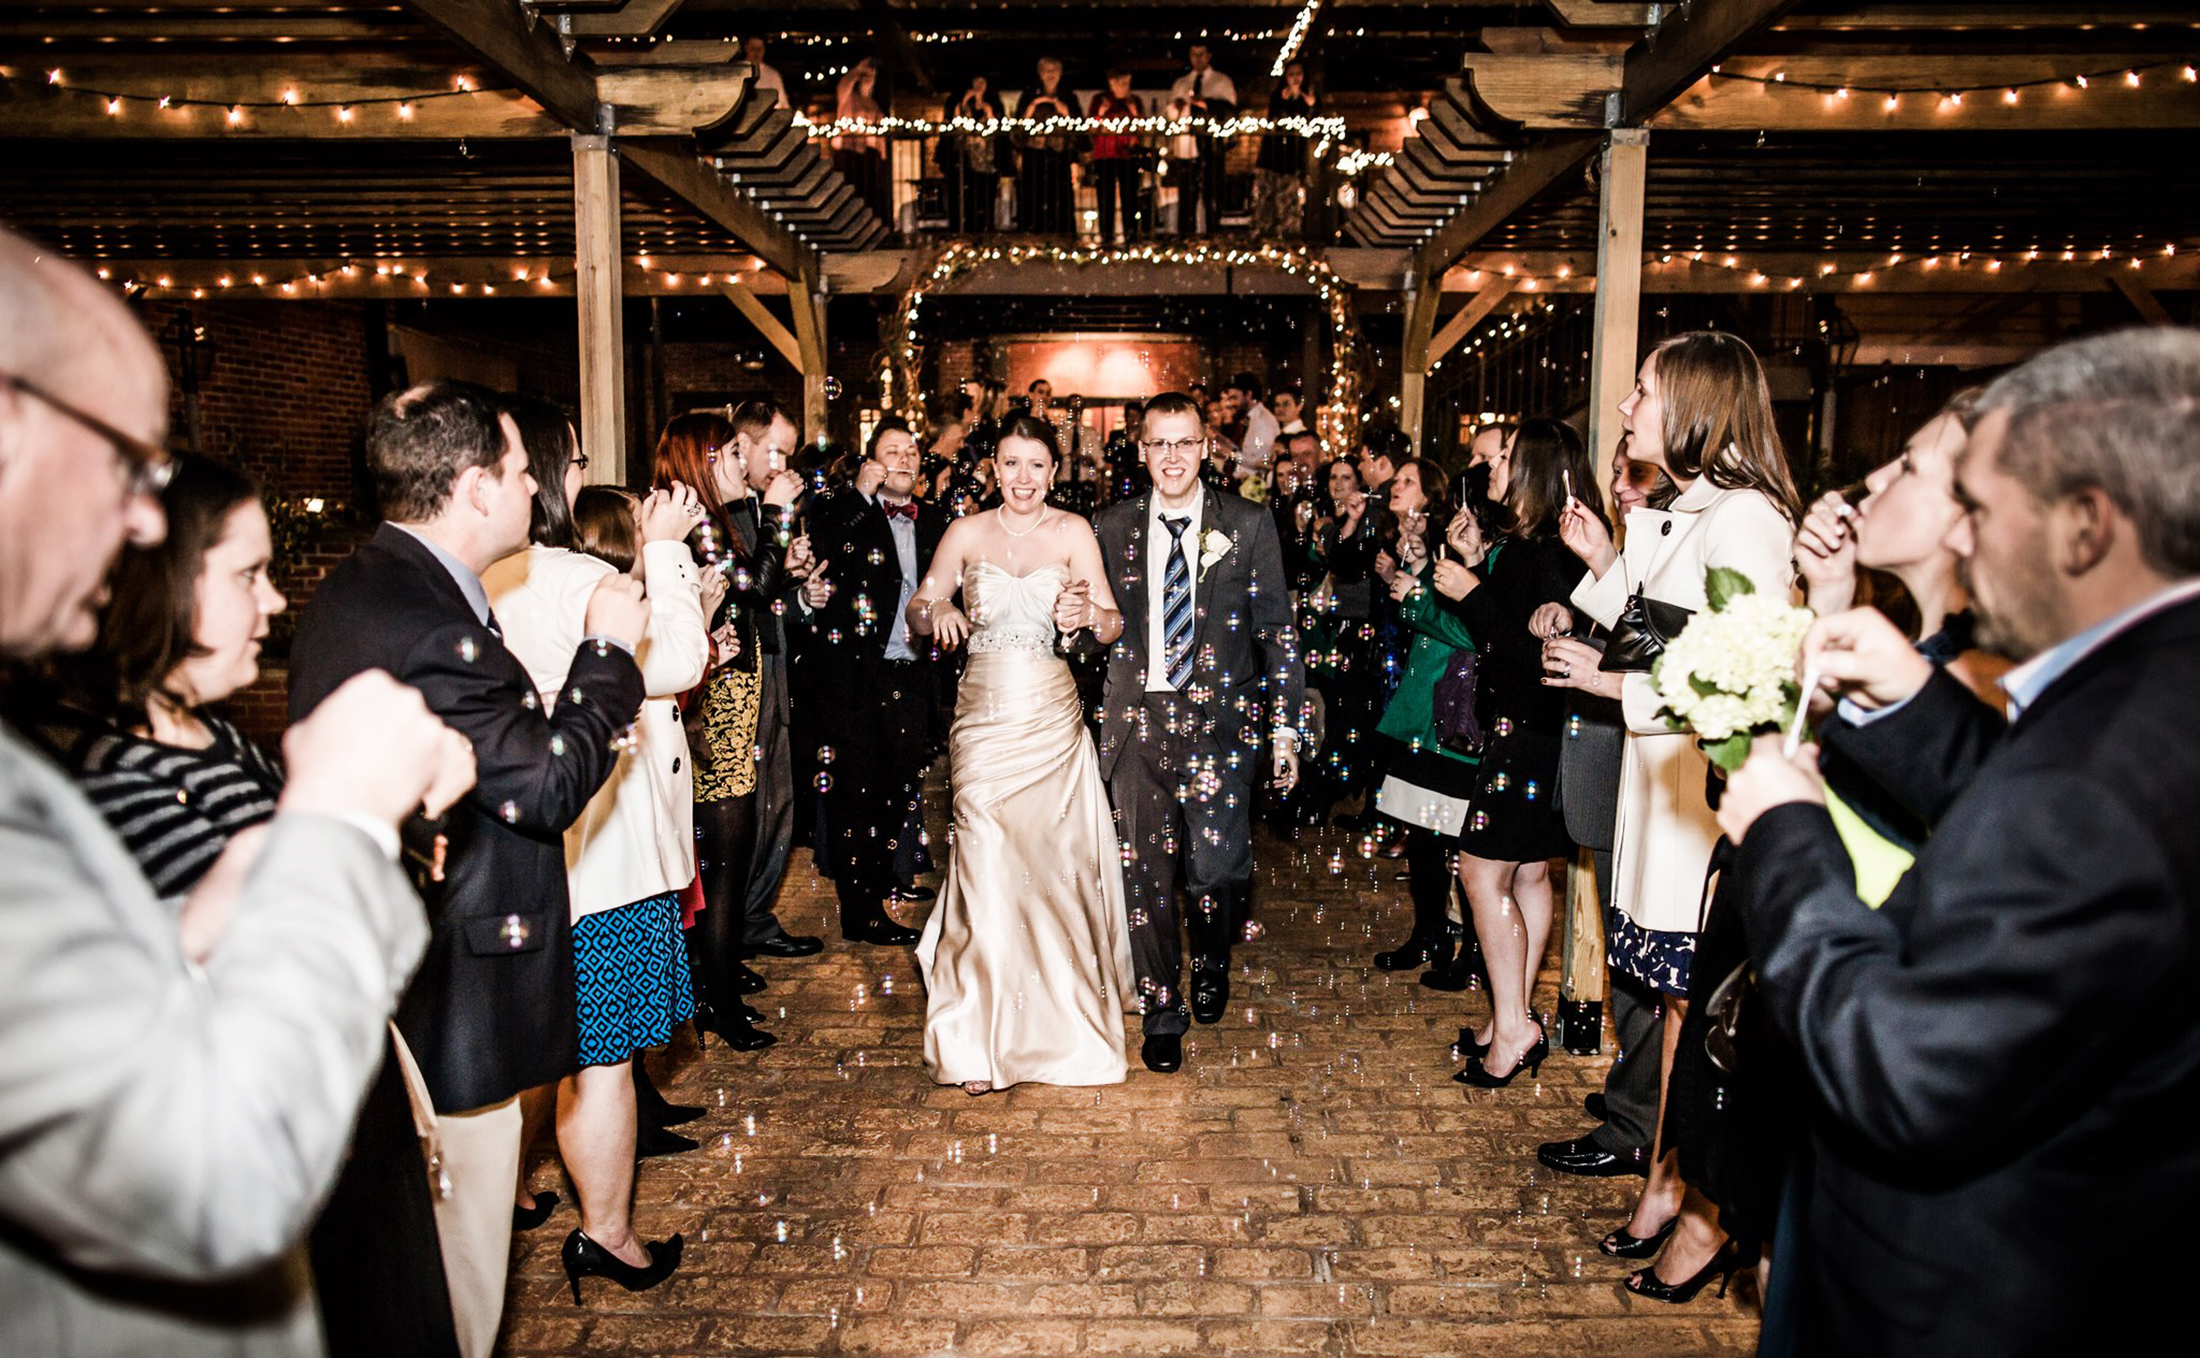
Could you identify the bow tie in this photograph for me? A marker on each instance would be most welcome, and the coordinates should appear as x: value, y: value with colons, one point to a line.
x: 906, y: 510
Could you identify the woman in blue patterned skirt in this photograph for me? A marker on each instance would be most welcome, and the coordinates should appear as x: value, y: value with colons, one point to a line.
x: 633, y: 847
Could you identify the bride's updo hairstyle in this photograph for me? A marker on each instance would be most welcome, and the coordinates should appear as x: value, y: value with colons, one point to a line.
x: 1718, y: 417
x: 1038, y: 431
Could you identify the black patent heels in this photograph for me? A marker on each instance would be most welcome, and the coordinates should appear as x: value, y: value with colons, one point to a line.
x: 584, y: 1258
x: 1621, y: 1245
x: 1531, y: 1060
x: 1644, y: 1282
x: 534, y: 1214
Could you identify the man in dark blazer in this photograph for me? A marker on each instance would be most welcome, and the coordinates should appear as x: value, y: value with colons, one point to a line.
x: 1206, y: 674
x: 870, y: 680
x: 2005, y: 1057
x: 491, y: 1011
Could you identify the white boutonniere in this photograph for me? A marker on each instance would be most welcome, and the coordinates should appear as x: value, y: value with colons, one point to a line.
x: 1214, y: 544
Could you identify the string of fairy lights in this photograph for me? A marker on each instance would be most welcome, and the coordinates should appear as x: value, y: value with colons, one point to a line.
x: 237, y: 112
x: 1888, y: 271
x: 1244, y: 124
x: 1338, y: 418
x: 1951, y: 96
x: 1296, y: 38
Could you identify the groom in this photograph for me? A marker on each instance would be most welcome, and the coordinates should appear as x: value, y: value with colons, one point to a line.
x: 1206, y: 671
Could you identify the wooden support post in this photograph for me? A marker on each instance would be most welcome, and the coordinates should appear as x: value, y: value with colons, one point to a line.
x: 1619, y: 290
x: 808, y: 297
x: 598, y: 298
x: 1424, y: 291
x: 1611, y: 377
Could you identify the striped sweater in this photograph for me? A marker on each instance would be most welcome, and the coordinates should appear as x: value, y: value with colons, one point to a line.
x: 174, y: 808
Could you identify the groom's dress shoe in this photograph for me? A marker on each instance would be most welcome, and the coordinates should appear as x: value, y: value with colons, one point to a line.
x: 914, y: 893
x: 1585, y: 1157
x: 1210, y: 996
x: 883, y: 931
x: 1163, y: 1053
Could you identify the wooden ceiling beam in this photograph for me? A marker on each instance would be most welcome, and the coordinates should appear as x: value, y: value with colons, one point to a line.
x: 633, y: 19
x: 1687, y: 43
x: 528, y: 53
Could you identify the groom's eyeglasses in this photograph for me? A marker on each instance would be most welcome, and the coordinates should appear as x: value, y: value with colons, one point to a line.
x: 1188, y: 447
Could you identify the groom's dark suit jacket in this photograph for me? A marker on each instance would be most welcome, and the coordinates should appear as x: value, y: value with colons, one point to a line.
x: 2005, y: 1058
x: 1247, y: 673
x: 490, y: 1011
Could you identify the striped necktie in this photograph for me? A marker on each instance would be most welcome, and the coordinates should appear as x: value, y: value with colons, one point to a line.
x: 1176, y: 604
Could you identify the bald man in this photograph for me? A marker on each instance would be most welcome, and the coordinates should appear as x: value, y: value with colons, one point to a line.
x: 169, y: 1124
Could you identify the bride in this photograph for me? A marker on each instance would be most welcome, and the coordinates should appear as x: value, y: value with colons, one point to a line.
x: 1026, y: 956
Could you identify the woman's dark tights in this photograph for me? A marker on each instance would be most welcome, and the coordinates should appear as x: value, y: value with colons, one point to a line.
x: 725, y: 840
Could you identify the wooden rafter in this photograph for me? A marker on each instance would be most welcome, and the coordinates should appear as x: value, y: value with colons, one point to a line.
x: 1679, y: 50
x: 527, y: 51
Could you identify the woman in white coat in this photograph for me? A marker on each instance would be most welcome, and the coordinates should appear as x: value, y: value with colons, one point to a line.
x: 1702, y: 413
x: 633, y: 848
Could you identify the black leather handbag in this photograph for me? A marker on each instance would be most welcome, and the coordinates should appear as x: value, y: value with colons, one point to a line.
x: 1640, y: 636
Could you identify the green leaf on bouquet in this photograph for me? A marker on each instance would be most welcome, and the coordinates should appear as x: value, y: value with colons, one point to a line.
x: 1723, y: 584
x: 1704, y: 687
x: 1729, y: 754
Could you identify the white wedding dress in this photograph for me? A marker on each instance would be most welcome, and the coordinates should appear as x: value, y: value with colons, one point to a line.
x: 1027, y: 955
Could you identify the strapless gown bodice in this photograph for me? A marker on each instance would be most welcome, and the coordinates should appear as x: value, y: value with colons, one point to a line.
x: 1014, y: 612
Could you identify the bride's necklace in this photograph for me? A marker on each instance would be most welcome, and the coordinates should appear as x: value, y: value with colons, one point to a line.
x: 1000, y: 513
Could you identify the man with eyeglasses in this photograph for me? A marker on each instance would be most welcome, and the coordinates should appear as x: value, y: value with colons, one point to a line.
x: 169, y: 1126
x: 1206, y: 673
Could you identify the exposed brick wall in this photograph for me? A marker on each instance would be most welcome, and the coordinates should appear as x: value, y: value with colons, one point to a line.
x: 288, y: 385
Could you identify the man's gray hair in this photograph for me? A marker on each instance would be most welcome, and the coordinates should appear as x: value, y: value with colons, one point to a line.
x: 2120, y: 412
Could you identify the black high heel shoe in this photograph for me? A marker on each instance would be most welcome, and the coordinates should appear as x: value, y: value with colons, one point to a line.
x: 528, y: 1218
x: 1466, y: 1047
x: 747, y: 981
x: 1621, y: 1245
x: 1643, y: 1282
x: 653, y: 1109
x: 1530, y: 1060
x: 584, y: 1258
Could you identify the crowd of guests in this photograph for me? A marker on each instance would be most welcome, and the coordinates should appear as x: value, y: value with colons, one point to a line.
x: 1899, y: 1010
x: 1030, y: 179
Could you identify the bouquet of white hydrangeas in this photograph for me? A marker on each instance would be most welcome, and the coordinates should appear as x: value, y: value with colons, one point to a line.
x: 1731, y: 671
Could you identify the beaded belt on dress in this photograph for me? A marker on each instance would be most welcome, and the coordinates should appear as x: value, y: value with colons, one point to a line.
x: 1034, y: 638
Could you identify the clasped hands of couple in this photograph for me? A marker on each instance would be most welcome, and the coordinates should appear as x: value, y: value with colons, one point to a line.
x: 1073, y: 610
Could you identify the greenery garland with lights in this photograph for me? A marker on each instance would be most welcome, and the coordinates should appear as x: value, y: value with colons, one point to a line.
x: 1337, y: 419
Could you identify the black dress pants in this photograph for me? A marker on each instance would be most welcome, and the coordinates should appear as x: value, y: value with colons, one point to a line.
x: 1179, y: 806
x: 876, y: 777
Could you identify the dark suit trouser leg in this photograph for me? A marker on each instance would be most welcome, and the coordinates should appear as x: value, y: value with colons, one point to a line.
x: 1631, y: 1085
x: 877, y: 774
x: 774, y: 830
x: 1208, y: 835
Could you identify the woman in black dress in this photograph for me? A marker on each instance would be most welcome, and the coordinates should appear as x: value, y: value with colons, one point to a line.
x: 1515, y: 828
x: 1044, y: 188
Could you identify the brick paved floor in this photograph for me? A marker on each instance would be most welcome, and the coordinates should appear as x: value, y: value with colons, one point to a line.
x: 1311, y: 1182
